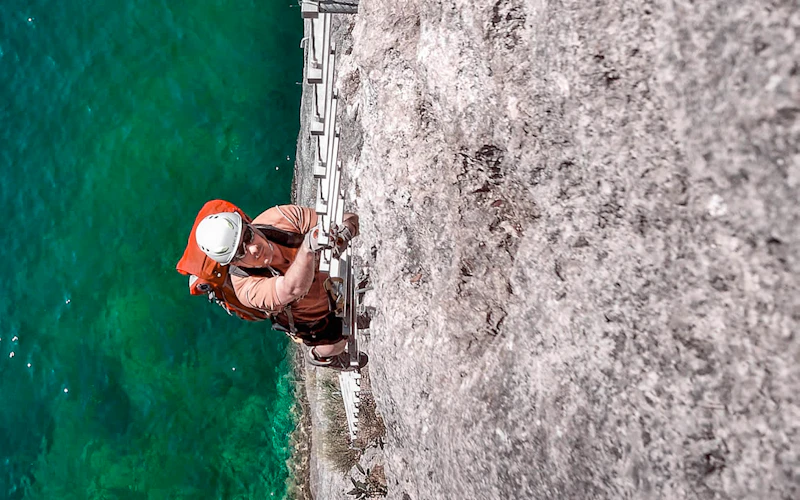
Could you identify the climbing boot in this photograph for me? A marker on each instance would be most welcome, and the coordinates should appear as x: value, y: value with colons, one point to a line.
x: 340, y: 362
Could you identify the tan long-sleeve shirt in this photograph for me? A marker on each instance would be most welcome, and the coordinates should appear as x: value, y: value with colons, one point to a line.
x: 259, y: 292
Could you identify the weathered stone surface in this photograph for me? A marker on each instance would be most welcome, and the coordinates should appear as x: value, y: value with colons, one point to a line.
x: 581, y: 222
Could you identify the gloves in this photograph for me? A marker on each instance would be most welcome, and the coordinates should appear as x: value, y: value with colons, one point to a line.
x: 312, y: 240
x: 340, y: 236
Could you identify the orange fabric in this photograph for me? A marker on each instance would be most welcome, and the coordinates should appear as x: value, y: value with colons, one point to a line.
x: 259, y: 292
x: 208, y: 271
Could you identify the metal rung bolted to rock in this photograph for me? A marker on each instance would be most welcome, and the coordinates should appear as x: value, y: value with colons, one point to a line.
x: 323, y: 86
x: 351, y: 394
x: 313, y: 8
x: 309, y: 9
x: 314, y: 61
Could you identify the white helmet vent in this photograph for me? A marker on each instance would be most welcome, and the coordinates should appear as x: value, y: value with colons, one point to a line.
x: 218, y: 236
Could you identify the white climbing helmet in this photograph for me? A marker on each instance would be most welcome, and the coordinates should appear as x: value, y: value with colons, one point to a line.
x: 218, y: 236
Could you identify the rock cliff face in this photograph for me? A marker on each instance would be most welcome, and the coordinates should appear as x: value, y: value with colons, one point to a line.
x: 581, y: 224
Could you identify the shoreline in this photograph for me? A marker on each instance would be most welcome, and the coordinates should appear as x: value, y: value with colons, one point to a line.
x: 298, y: 481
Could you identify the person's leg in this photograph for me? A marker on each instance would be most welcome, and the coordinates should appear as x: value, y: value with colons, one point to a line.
x: 331, y: 356
x: 327, y: 351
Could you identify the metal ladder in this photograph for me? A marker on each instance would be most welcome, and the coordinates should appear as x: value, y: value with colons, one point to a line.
x: 321, y: 74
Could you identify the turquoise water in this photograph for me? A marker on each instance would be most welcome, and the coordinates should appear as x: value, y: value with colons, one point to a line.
x: 118, y: 120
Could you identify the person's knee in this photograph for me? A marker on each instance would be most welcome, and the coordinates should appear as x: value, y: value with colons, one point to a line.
x: 326, y: 351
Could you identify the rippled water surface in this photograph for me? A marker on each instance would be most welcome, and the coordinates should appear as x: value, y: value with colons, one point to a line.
x: 118, y: 119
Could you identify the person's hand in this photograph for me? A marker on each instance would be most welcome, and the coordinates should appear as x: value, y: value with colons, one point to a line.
x: 311, y: 241
x: 340, y: 236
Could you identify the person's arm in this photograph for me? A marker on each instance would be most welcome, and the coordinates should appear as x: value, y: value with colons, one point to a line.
x: 298, y: 278
x: 302, y: 219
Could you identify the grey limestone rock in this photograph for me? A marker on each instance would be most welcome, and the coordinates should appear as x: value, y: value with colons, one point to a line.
x: 581, y: 224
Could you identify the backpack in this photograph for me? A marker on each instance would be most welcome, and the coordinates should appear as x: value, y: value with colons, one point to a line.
x: 207, y: 276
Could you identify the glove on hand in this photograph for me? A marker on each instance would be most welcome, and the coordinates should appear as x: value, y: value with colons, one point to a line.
x: 341, y: 236
x: 312, y: 240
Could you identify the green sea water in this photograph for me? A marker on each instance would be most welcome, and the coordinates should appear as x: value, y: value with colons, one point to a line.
x: 118, y: 120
